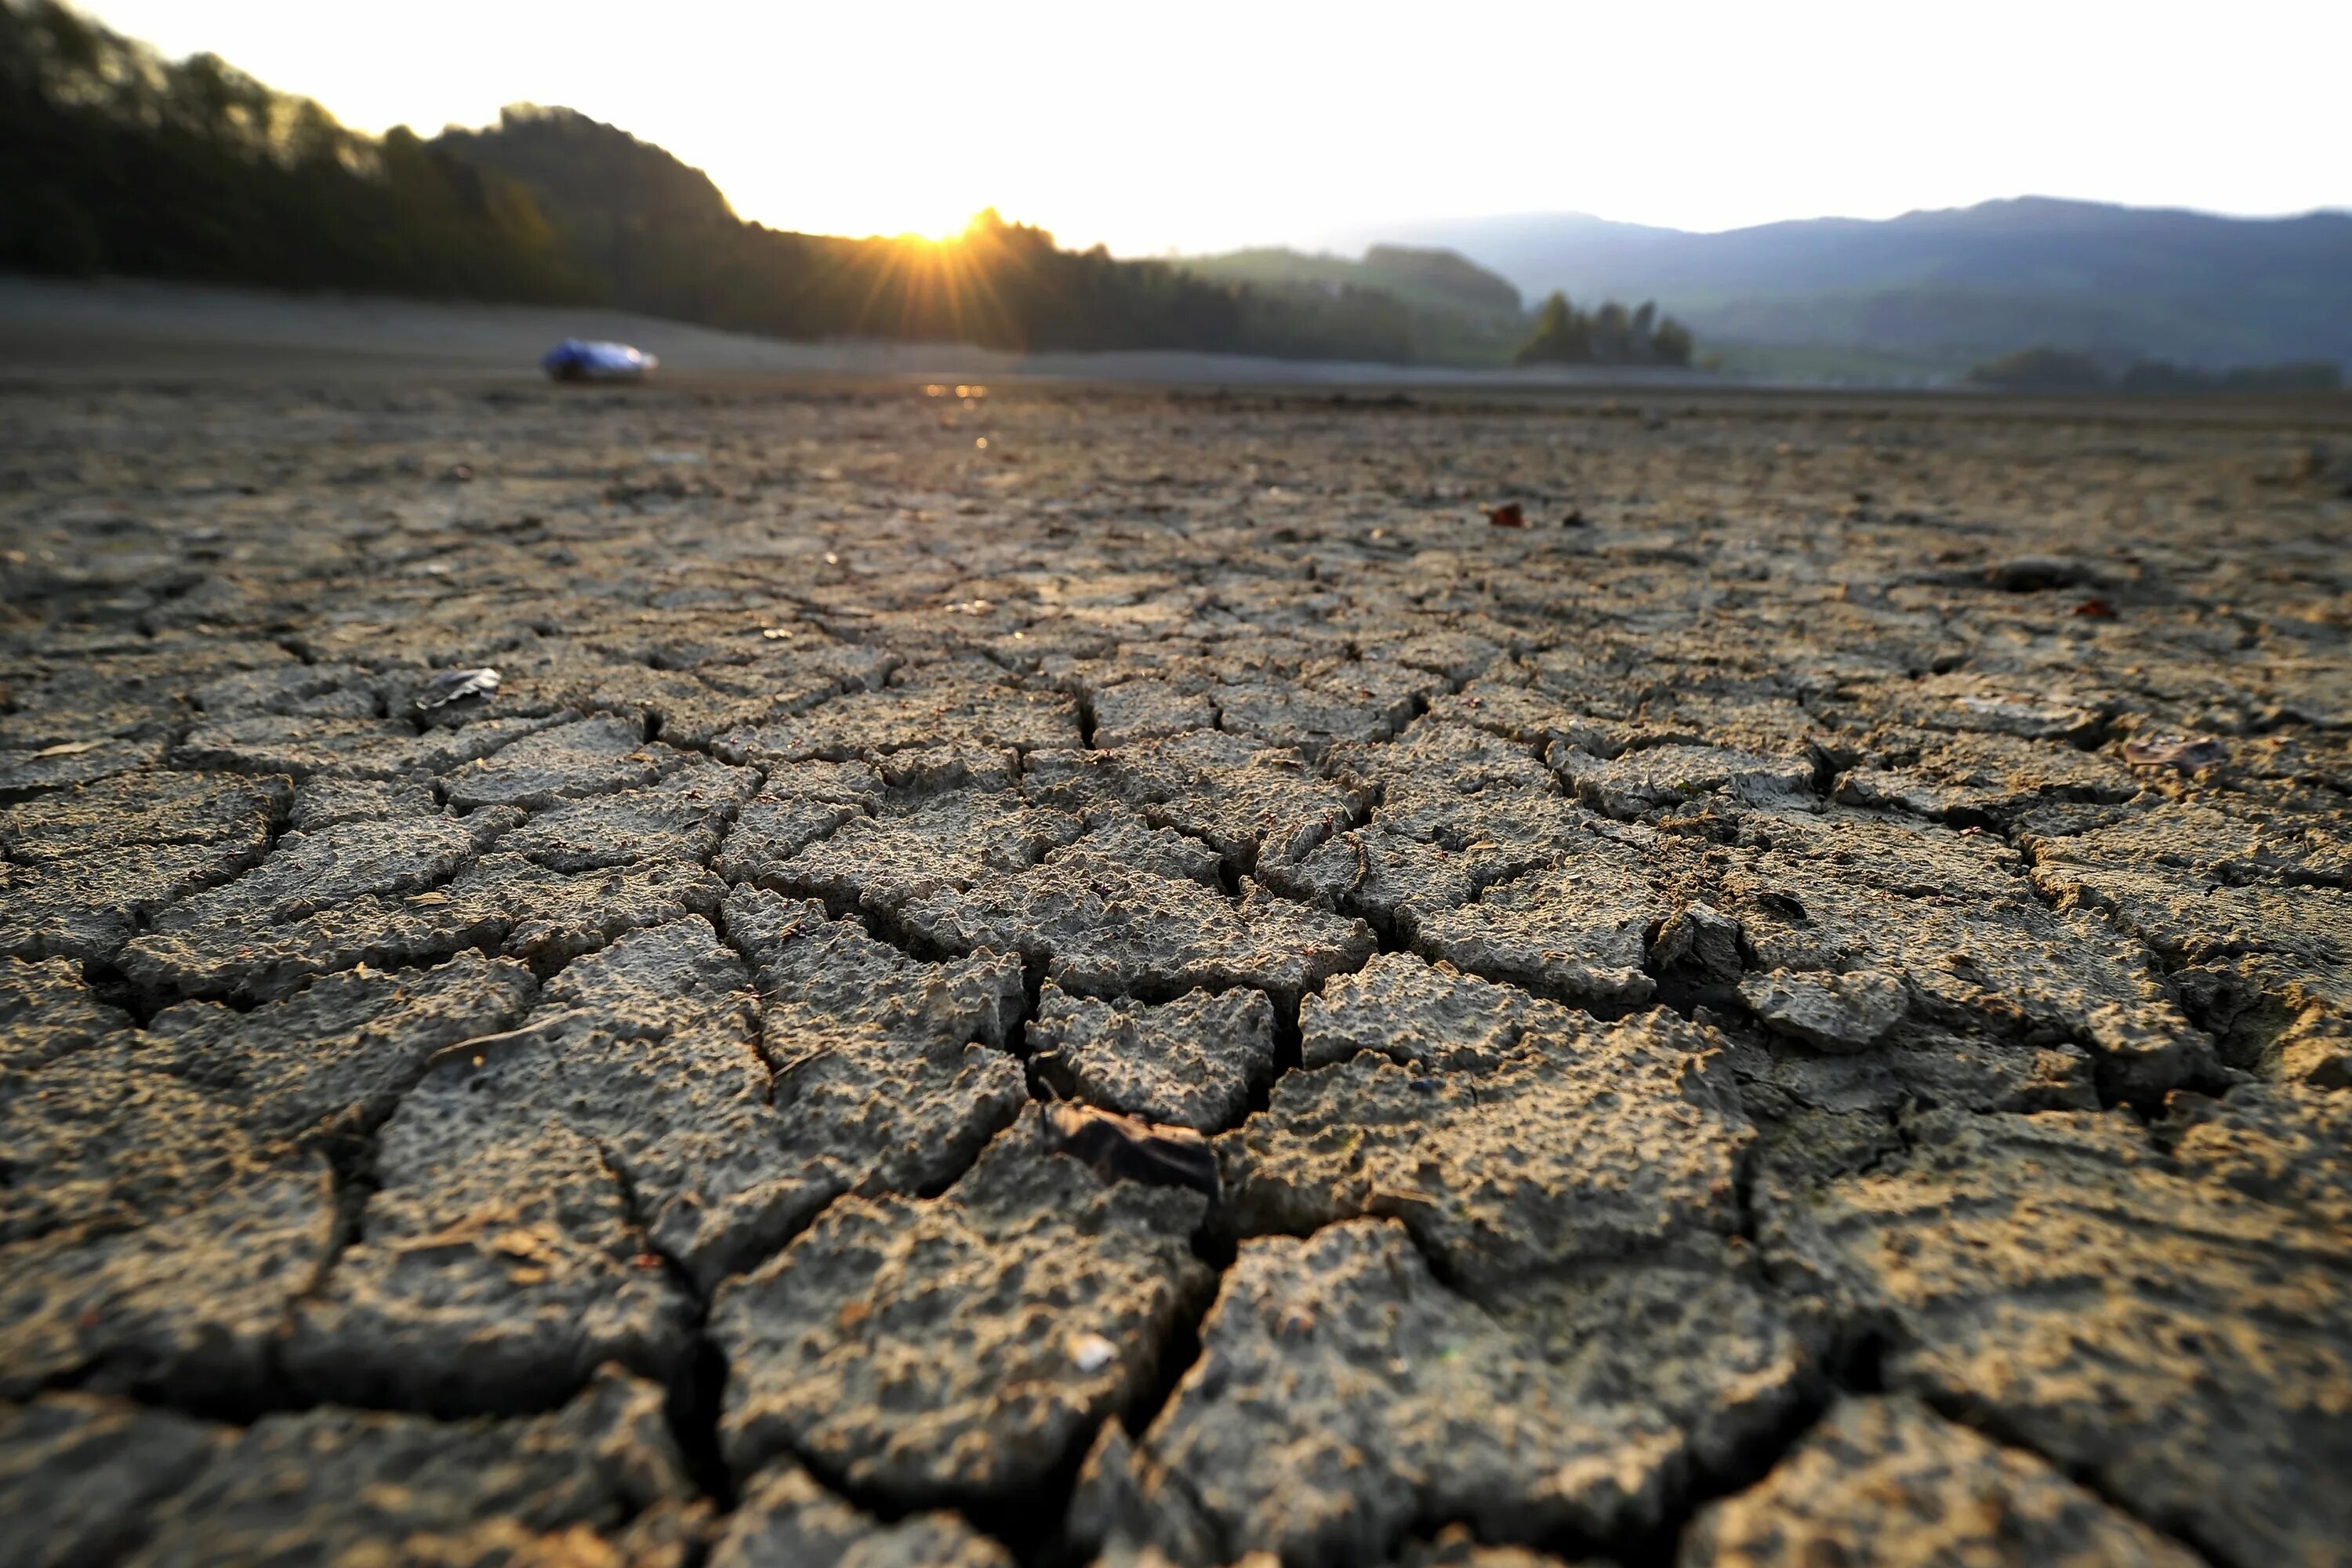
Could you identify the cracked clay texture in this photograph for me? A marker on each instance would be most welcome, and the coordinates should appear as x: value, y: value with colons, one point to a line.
x: 1795, y: 1010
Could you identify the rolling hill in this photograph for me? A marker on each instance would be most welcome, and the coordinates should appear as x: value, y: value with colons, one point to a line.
x: 1448, y: 309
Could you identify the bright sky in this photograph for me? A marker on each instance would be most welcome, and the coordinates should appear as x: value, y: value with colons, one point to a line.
x: 1209, y: 124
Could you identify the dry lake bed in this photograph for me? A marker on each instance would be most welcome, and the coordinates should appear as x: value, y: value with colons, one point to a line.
x: 1046, y: 975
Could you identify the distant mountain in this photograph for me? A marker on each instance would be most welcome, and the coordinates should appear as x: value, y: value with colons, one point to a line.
x: 1942, y: 291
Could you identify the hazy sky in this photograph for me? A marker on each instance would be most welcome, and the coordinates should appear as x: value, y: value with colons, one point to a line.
x: 1205, y: 124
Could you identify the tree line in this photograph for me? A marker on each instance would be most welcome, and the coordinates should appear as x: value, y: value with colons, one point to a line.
x: 1610, y: 335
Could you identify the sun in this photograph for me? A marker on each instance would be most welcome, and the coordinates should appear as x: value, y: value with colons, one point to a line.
x: 946, y: 233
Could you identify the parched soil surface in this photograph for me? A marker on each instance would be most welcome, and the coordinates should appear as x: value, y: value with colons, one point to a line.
x: 1793, y: 1009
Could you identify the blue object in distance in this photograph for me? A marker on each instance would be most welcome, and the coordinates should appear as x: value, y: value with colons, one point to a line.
x: 577, y: 359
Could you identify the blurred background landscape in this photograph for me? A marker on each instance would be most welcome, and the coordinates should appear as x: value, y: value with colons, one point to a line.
x: 118, y: 162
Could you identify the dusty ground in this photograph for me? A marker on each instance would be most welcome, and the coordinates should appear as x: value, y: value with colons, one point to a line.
x: 1799, y: 1016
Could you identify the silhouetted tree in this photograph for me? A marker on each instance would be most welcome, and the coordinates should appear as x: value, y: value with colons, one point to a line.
x: 1613, y: 335
x: 1670, y: 343
x: 1562, y: 335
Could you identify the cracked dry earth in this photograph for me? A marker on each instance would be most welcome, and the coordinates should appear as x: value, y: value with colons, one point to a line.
x: 1728, y: 1034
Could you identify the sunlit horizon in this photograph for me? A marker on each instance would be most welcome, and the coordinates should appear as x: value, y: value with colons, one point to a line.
x: 1217, y: 127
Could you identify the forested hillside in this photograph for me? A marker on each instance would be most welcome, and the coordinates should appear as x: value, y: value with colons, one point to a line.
x: 114, y: 160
